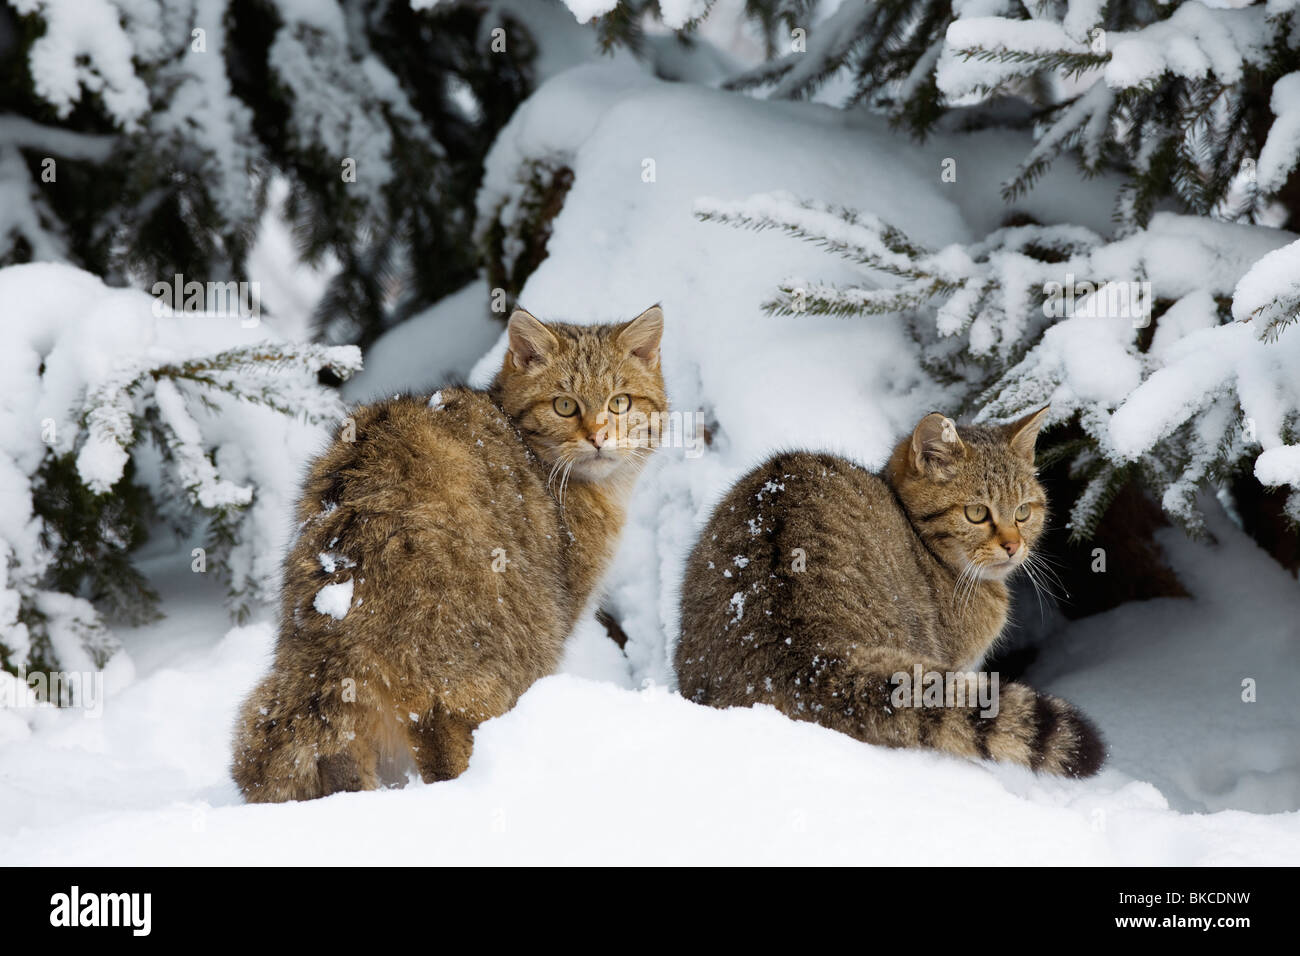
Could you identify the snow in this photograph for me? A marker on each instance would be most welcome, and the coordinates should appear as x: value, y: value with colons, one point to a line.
x: 288, y: 288
x: 1191, y: 313
x: 585, y: 10
x: 85, y: 47
x: 827, y: 39
x: 1279, y: 466
x: 737, y: 603
x: 334, y: 600
x: 674, y: 13
x: 1192, y: 41
x: 329, y: 561
x: 605, y: 762
x: 1206, y: 392
x: 593, y: 766
x: 1205, y: 747
x: 1180, y: 254
x: 202, y: 109
x: 1198, y: 367
x: 434, y: 347
x: 79, y: 349
x: 1274, y: 279
x: 1086, y: 360
x: 958, y: 76
x: 1278, y: 157
x: 23, y: 212
x: 194, y: 468
x: 1196, y: 370
x: 1081, y: 16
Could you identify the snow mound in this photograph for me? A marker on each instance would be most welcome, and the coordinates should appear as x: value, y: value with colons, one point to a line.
x: 1195, y: 695
x: 434, y: 347
x: 580, y: 772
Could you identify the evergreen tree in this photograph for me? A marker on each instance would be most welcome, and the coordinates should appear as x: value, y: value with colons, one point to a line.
x: 124, y: 420
x: 1192, y: 103
x: 138, y: 141
x: 1196, y: 107
x: 1173, y: 349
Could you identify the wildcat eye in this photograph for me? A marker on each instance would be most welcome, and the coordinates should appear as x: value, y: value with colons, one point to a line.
x: 1022, y: 512
x: 565, y: 407
x: 620, y: 404
x: 976, y: 513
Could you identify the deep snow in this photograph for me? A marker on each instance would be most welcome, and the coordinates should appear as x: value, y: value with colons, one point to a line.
x: 587, y: 769
x: 604, y: 762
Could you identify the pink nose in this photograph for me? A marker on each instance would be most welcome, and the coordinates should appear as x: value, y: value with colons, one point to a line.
x: 597, y: 438
x: 1011, y: 548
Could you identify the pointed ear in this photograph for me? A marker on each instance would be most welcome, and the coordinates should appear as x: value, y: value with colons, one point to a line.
x: 1023, y: 434
x: 641, y: 336
x: 530, y: 340
x: 936, y: 447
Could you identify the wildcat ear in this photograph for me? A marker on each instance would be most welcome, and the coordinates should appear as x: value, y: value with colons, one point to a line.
x: 1023, y: 434
x: 530, y: 340
x: 936, y: 447
x: 641, y: 336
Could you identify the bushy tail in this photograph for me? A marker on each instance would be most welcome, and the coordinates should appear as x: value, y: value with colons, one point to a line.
x: 287, y: 748
x: 872, y: 702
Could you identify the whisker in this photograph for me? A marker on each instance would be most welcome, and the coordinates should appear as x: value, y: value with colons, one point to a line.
x: 972, y: 584
x: 1038, y: 590
x: 961, y: 578
x: 1041, y: 564
x: 564, y: 479
x: 559, y: 461
x: 967, y: 581
x: 1049, y: 575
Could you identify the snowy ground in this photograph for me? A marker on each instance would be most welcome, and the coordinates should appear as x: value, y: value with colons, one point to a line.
x: 593, y: 771
x: 604, y: 762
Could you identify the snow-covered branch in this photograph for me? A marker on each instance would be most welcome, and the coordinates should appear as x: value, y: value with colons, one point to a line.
x: 114, y: 408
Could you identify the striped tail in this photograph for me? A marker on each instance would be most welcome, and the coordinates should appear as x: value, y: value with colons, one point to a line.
x: 873, y: 703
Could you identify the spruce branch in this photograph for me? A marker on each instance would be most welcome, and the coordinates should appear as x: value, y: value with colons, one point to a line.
x: 1069, y: 63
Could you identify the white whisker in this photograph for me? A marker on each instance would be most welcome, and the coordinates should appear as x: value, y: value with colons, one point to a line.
x: 1038, y: 589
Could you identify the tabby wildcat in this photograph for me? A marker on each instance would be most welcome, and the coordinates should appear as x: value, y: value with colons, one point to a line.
x: 446, y: 548
x: 816, y: 585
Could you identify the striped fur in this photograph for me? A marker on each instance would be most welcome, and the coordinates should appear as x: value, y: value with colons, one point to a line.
x: 815, y: 582
x: 472, y: 528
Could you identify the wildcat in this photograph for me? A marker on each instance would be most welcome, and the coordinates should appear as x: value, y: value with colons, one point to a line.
x: 817, y: 585
x: 446, y: 548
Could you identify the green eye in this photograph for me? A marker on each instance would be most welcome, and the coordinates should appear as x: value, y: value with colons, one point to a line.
x: 565, y: 407
x: 1022, y: 513
x: 976, y: 513
x: 620, y: 404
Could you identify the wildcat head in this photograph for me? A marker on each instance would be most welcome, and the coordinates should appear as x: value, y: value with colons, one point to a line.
x: 972, y: 493
x: 584, y: 396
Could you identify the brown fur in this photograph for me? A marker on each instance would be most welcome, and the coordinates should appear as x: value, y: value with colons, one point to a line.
x: 467, y: 571
x: 882, y: 590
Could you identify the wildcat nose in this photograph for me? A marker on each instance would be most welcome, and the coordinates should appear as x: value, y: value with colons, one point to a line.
x: 597, y: 438
x: 1011, y: 547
